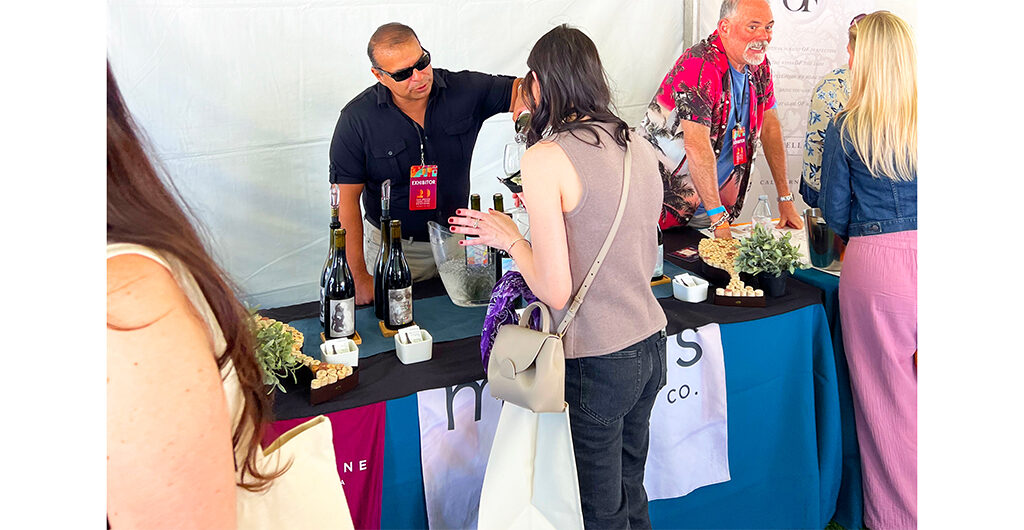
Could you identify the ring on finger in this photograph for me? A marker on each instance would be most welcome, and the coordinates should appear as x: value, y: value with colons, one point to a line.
x: 476, y: 223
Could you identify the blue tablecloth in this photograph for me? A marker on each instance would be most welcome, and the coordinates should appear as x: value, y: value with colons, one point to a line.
x: 850, y: 504
x: 445, y: 320
x: 784, y: 436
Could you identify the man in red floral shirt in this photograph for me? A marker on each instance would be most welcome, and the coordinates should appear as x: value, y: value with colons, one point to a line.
x: 708, y: 117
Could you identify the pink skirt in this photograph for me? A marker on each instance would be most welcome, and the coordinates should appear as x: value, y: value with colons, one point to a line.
x: 878, y: 308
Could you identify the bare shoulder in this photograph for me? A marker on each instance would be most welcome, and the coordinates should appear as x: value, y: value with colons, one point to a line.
x: 140, y: 291
x: 542, y: 153
x: 547, y: 160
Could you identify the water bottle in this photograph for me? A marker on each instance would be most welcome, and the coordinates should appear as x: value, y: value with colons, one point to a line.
x: 762, y: 214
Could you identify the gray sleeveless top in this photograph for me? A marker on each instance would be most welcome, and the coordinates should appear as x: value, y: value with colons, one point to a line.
x: 620, y: 309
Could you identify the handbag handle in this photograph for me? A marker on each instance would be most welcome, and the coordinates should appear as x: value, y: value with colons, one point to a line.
x: 589, y: 278
x: 545, y: 316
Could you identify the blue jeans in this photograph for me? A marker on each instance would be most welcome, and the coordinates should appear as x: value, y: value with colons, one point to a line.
x: 610, y: 400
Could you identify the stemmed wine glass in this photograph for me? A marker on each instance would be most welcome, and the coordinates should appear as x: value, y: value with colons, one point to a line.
x: 513, y: 154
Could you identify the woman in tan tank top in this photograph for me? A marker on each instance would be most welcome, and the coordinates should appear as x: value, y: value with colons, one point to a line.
x: 615, y: 348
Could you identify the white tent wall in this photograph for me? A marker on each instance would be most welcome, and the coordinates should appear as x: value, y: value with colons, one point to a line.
x: 240, y: 99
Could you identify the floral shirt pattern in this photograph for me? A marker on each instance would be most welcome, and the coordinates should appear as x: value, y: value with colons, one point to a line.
x: 830, y: 97
x: 698, y: 89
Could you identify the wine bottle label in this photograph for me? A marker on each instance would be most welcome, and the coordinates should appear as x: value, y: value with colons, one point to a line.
x: 400, y: 306
x: 343, y: 318
x: 477, y: 256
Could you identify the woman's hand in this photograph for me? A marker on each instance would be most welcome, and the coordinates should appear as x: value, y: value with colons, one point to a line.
x: 493, y: 228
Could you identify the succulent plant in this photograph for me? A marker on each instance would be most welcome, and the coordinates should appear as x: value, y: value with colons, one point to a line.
x: 763, y: 252
x: 276, y: 346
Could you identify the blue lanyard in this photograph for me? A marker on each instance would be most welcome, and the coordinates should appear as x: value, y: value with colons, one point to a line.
x: 743, y: 97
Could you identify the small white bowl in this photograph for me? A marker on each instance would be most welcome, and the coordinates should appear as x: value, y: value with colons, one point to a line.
x: 681, y: 291
x: 340, y: 351
x: 413, y: 345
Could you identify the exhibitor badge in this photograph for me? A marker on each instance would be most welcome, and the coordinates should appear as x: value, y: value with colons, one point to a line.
x: 423, y: 187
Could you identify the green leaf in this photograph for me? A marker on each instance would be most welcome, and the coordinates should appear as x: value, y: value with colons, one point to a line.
x: 274, y: 352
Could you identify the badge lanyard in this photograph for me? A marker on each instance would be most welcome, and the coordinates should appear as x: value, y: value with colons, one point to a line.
x: 739, y: 134
x: 422, y: 181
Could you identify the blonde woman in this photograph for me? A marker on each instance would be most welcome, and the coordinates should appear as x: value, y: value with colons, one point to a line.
x: 869, y: 195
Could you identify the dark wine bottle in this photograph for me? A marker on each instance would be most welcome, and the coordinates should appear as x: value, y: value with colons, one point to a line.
x: 500, y: 255
x: 659, y: 265
x: 335, y: 224
x: 339, y: 294
x: 380, y: 299
x: 476, y: 255
x: 397, y: 282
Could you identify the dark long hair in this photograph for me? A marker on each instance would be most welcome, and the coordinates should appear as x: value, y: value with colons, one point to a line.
x: 142, y: 210
x: 573, y: 85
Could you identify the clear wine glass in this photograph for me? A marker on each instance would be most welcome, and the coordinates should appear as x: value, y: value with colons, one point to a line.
x: 513, y: 154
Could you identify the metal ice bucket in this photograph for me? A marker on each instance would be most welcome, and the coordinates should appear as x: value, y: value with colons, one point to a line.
x: 826, y: 249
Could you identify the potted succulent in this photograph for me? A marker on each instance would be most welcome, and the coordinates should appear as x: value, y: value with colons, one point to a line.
x: 276, y: 346
x: 770, y: 259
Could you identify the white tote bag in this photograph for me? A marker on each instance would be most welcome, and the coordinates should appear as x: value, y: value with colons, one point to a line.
x: 308, y: 495
x: 531, y: 481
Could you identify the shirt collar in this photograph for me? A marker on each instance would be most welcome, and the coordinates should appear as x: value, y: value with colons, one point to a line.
x: 384, y: 94
x: 721, y: 59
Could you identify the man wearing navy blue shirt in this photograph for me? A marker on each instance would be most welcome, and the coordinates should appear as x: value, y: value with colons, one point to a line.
x: 417, y: 128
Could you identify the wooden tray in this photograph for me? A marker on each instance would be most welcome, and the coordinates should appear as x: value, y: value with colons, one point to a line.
x: 661, y: 281
x: 355, y: 338
x: 736, y: 301
x: 388, y: 332
x: 326, y: 393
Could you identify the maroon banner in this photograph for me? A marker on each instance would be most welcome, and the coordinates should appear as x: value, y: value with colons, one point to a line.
x: 359, y: 450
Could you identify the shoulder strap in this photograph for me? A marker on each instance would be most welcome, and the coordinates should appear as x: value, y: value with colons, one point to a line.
x: 589, y: 279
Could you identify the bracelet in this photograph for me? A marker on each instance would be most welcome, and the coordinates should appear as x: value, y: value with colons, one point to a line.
x: 509, y: 251
x: 723, y: 220
x: 786, y: 198
x: 713, y: 211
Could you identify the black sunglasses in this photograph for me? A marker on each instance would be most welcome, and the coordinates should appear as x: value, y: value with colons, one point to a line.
x: 858, y: 18
x: 406, y: 73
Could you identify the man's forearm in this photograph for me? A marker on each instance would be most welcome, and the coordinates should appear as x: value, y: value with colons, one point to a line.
x: 705, y: 179
x: 702, y: 163
x: 353, y: 225
x: 351, y: 220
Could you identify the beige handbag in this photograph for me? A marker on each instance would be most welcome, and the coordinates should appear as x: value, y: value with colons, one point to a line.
x: 309, y: 494
x: 527, y: 367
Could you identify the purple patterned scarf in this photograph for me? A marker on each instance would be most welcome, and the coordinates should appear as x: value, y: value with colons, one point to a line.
x: 501, y: 310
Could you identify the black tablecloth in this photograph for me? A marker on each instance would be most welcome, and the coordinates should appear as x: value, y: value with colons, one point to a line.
x: 383, y: 376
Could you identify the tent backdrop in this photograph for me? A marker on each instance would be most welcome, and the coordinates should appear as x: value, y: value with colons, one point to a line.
x: 239, y: 98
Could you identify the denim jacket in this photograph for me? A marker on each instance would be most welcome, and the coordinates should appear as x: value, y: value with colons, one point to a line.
x: 853, y: 202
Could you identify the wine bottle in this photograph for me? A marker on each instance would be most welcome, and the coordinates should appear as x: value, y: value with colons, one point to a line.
x: 500, y: 256
x: 659, y: 266
x: 476, y: 255
x: 339, y: 294
x: 380, y: 305
x: 397, y: 282
x: 335, y: 224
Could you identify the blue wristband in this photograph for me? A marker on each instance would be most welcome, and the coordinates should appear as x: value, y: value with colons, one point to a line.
x: 713, y: 211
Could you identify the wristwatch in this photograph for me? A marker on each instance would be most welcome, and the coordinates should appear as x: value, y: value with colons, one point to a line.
x: 786, y: 198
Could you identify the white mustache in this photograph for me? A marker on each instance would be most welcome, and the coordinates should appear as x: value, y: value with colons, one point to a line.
x: 762, y: 43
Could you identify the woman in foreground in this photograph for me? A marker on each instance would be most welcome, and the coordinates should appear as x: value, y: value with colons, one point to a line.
x: 186, y: 404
